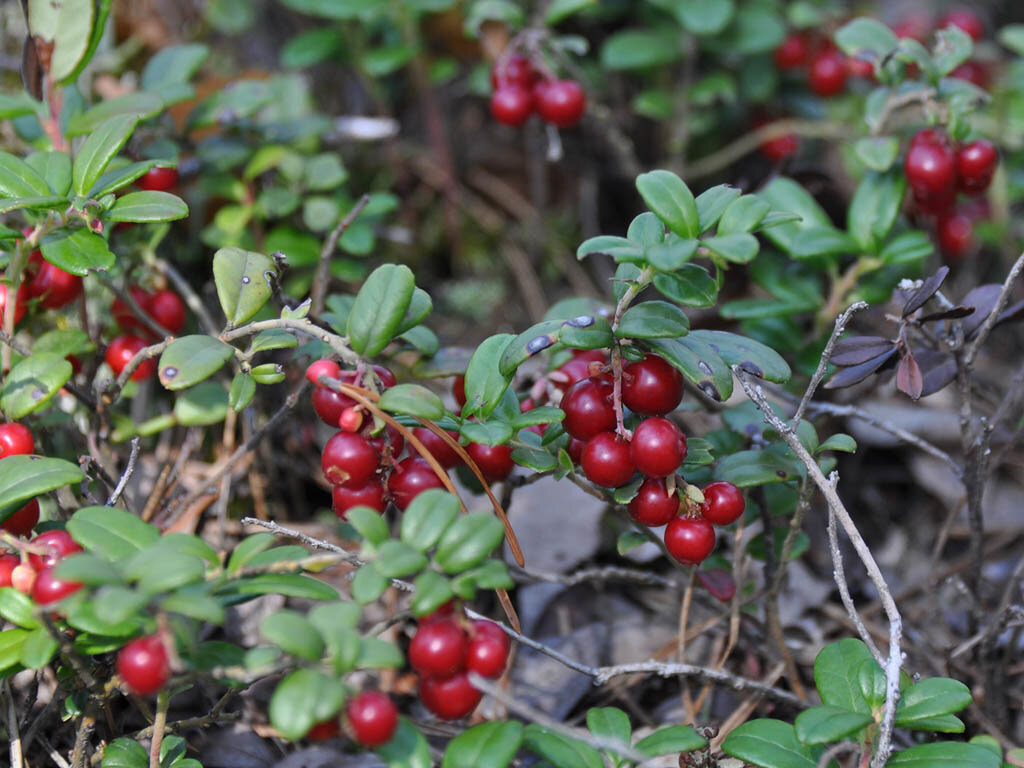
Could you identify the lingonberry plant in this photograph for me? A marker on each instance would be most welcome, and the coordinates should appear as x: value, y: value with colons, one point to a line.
x: 156, y: 430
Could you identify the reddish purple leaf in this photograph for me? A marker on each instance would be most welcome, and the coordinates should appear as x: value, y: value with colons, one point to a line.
x: 859, y: 349
x: 926, y: 291
x: 908, y: 377
x: 846, y: 377
x: 718, y: 582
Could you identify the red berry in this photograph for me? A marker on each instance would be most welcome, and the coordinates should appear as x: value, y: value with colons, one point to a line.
x: 54, y: 287
x: 560, y: 102
x: 515, y: 70
x: 860, y: 68
x: 349, y: 459
x: 120, y: 352
x: 653, y: 505
x: 351, y: 419
x: 827, y: 75
x: 158, y: 179
x: 956, y: 234
x: 658, y: 447
x: 438, y: 649
x: 438, y: 448
x: 58, y: 544
x: 511, y: 105
x: 22, y: 303
x: 975, y: 164
x: 15, y: 439
x: 123, y: 314
x: 386, y: 376
x: 779, y: 149
x: 370, y: 494
x: 144, y: 665
x: 723, y: 503
x: 575, y: 449
x: 388, y: 442
x: 324, y: 731
x: 973, y: 72
x: 579, y: 368
x: 23, y: 521
x: 459, y: 390
x: 651, y: 387
x: 446, y: 612
x: 588, y: 407
x: 606, y: 460
x: 793, y: 52
x: 319, y: 368
x: 966, y: 20
x: 329, y: 405
x: 488, y: 649
x: 916, y: 26
x: 449, y: 698
x: 373, y: 718
x: 49, y: 589
x: 931, y: 171
x: 494, y: 461
x: 410, y: 477
x: 7, y: 565
x: 23, y: 578
x: 689, y: 539
x: 168, y: 310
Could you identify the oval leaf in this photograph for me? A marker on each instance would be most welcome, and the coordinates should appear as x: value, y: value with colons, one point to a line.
x: 242, y: 280
x: 653, y: 320
x: 147, y: 206
x: 25, y: 477
x: 468, y: 541
x: 671, y: 200
x: 32, y: 383
x: 769, y: 744
x: 379, y: 308
x: 293, y: 633
x: 414, y: 400
x: 488, y: 745
x: 191, y: 359
x: 302, y: 699
x: 77, y: 251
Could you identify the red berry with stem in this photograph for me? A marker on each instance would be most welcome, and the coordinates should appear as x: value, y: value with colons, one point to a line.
x: 793, y: 52
x: 653, y: 505
x: 21, y: 306
x: 49, y: 589
x: 168, y: 310
x: 388, y: 441
x: 54, y: 287
x: 23, y: 578
x: 588, y: 407
x: 584, y: 364
x: 966, y: 20
x: 494, y: 461
x: 144, y: 664
x: 438, y: 448
x: 515, y: 70
x: 15, y: 440
x: 23, y: 521
x: 349, y: 459
x: 121, y: 351
x: 689, y: 539
x: 511, y: 105
x: 450, y: 698
x: 931, y: 171
x: 410, y: 477
x: 606, y: 460
x: 123, y: 314
x: 651, y: 387
x: 956, y: 234
x: 488, y: 649
x: 723, y: 503
x: 658, y: 447
x: 560, y: 102
x: 371, y: 494
x: 975, y: 165
x: 58, y: 545
x: 329, y: 405
x: 7, y: 565
x: 158, y: 179
x: 438, y: 649
x: 386, y: 376
x: 319, y: 368
x: 827, y: 75
x: 373, y: 718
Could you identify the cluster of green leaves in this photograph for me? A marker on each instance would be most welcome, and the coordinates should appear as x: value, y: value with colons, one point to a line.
x: 128, y: 753
x: 852, y: 687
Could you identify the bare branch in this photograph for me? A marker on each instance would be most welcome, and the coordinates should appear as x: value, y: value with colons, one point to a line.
x: 819, y: 374
x: 320, y: 281
x: 839, y: 573
x: 126, y: 476
x: 986, y: 327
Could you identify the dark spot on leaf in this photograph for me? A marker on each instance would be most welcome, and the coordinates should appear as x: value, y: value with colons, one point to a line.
x: 539, y: 343
x: 752, y: 368
x: 710, y: 390
x: 169, y: 372
x: 781, y: 473
x: 705, y: 368
x: 583, y: 321
x: 33, y: 457
x: 38, y: 393
x: 246, y: 280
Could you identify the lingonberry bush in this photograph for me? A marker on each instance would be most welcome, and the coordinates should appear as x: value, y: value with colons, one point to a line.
x: 681, y: 399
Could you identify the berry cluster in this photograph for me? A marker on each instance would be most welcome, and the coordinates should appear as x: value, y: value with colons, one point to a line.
x: 371, y: 716
x: 16, y: 440
x: 520, y: 90
x: 165, y: 308
x: 827, y: 68
x: 918, y: 26
x: 691, y: 539
x: 44, y: 282
x: 937, y: 169
x: 32, y: 572
x: 444, y: 649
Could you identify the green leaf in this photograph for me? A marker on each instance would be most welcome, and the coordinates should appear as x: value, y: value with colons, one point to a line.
x: 786, y: 195
x: 932, y: 697
x: 432, y: 591
x: 739, y: 248
x: 488, y: 745
x: 92, y: 615
x: 875, y: 206
x: 113, y: 180
x: 610, y: 722
x: 560, y: 750
x: 671, y: 200
x: 287, y: 584
x: 821, y: 725
x: 836, y: 670
x: 310, y: 47
x: 87, y: 568
x: 54, y: 167
x: 201, y: 405
x: 379, y: 308
x: 11, y: 641
x: 758, y: 29
x: 375, y: 653
x: 18, y: 608
x: 161, y: 570
x: 413, y: 400
x: 953, y: 48
x: 369, y: 523
x: 397, y: 560
x: 839, y: 442
x: 368, y: 584
x: 189, y: 602
x: 866, y: 36
x: 243, y: 282
x: 37, y: 203
x: 427, y: 517
x: 908, y: 248
x: 64, y: 341
x: 485, y: 382
x: 243, y: 389
x: 641, y: 49
x: 586, y: 332
x: 419, y: 307
x: 821, y: 241
x: 15, y: 105
x: 407, y: 748
x: 77, y: 251
x: 746, y: 469
x: 690, y: 285
x: 293, y: 633
x: 99, y: 149
x: 137, y: 106
x: 247, y: 549
x: 302, y: 699
x: 24, y: 477
x: 878, y: 152
x: 191, y: 359
x: 173, y: 65
x: 653, y: 320
x: 671, y: 255
x: 743, y: 215
x: 705, y: 17
x: 954, y: 754
x: 125, y: 753
x: 751, y: 356
x: 713, y: 202
x: 38, y: 649
x: 769, y: 743
x: 32, y: 384
x: 468, y: 541
x: 559, y: 10
x: 19, y: 179
x: 699, y: 363
x: 666, y: 741
x: 273, y: 339
x: 147, y: 206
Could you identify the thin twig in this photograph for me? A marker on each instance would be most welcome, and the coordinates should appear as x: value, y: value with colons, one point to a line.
x: 819, y: 374
x: 12, y: 726
x: 127, y: 474
x: 163, y: 701
x: 605, y: 573
x: 986, y: 327
x: 319, y: 291
x: 839, y: 573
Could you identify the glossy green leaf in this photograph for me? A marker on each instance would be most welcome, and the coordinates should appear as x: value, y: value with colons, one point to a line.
x: 201, y: 405
x: 87, y: 568
x: 671, y: 200
x: 125, y: 753
x: 194, y: 605
x: 610, y: 722
x: 397, y: 560
x: 420, y: 305
x: 836, y: 670
x: 743, y: 215
x: 817, y: 241
x: 427, y: 517
x: 11, y: 641
x: 769, y: 743
x: 375, y: 653
x: 369, y: 523
x: 878, y: 152
x: 906, y: 249
x: 953, y: 48
x: 932, y: 697
x: 666, y: 741
x: 739, y: 248
x: 147, y: 206
x: 560, y: 750
x: 25, y: 477
x: 422, y: 339
x: 15, y: 105
x: 485, y: 382
x: 432, y: 591
x: 690, y: 285
x: 586, y: 332
x: 191, y: 359
x: 38, y: 649
x: 243, y: 389
x: 164, y: 570
x: 379, y: 308
x: 786, y: 195
x: 112, y: 533
x: 32, y: 384
x: 54, y: 167
x: 641, y: 49
x: 864, y: 35
x: 487, y: 745
x: 302, y: 699
x: 712, y: 203
x: 287, y: 584
x: 413, y: 400
x: 247, y: 549
x: 99, y: 149
x: 310, y: 47
x: 18, y: 608
x: 35, y: 203
x: 407, y: 748
x: 173, y: 65
x: 945, y: 754
x: 670, y: 255
x: 821, y: 725
x: 293, y: 633
x: 243, y: 282
x: 746, y: 469
x: 77, y: 251
x: 839, y: 442
x: 699, y: 363
x: 875, y: 206
x: 468, y: 541
x: 368, y: 584
x: 19, y: 179
x: 120, y: 177
x: 751, y: 356
x: 653, y: 320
